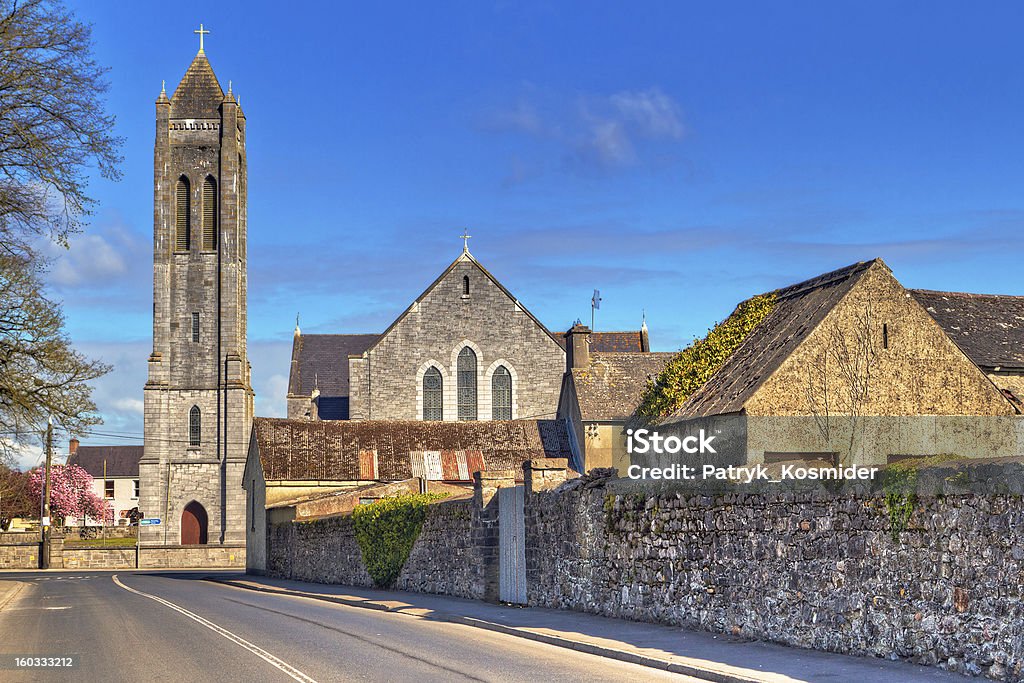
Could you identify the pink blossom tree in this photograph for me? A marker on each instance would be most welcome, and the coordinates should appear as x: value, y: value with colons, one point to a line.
x: 71, y: 493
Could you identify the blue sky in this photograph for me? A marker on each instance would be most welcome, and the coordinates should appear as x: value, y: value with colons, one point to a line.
x: 678, y: 156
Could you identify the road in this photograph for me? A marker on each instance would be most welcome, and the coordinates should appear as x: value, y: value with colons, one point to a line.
x: 174, y: 626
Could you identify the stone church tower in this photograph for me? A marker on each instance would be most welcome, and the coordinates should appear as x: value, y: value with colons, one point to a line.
x: 198, y: 398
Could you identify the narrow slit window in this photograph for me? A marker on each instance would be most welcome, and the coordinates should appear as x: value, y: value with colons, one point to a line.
x: 465, y: 285
x: 194, y: 427
x: 433, y: 395
x: 195, y: 327
x: 467, y: 384
x: 209, y: 214
x: 501, y: 394
x: 183, y: 210
x: 885, y: 335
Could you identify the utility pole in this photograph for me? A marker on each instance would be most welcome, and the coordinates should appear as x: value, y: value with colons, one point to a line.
x: 46, y: 496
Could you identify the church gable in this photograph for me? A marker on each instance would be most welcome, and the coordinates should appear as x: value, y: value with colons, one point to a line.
x: 467, y: 336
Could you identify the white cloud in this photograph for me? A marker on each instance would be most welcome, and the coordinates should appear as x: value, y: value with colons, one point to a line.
x: 130, y: 405
x: 651, y: 111
x: 89, y: 258
x: 603, y: 131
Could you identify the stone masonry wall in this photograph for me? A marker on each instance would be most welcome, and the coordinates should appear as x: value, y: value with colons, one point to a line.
x: 98, y: 558
x: 809, y: 569
x: 445, y: 558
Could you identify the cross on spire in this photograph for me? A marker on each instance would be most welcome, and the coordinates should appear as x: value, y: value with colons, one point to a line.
x: 465, y: 236
x: 202, y: 32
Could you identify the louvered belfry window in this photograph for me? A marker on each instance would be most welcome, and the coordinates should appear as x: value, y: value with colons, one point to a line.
x: 209, y: 214
x: 183, y: 209
x: 467, y: 384
x: 501, y: 394
x: 433, y: 395
x: 194, y: 427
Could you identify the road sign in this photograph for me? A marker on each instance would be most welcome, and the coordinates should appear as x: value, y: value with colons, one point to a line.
x: 149, y: 521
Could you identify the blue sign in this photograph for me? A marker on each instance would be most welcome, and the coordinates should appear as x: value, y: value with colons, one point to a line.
x: 149, y: 521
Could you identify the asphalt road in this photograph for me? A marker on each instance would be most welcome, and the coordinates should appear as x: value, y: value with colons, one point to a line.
x: 173, y: 626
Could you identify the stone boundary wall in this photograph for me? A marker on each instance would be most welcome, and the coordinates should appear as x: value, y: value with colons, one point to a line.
x: 191, y: 556
x: 18, y: 553
x: 445, y: 558
x: 88, y: 533
x: 810, y: 569
x: 98, y: 558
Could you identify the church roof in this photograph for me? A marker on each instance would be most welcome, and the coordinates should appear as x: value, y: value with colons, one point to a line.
x: 798, y: 310
x: 611, y: 386
x: 988, y: 328
x: 321, y: 360
x: 121, y: 461
x: 305, y: 450
x: 198, y: 95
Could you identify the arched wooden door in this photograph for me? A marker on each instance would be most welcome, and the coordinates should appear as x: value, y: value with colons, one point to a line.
x: 193, y: 524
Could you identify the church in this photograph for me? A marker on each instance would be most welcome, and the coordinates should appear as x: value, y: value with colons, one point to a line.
x: 465, y: 351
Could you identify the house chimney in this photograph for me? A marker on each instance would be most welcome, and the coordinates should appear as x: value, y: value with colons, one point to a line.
x: 73, y: 446
x: 577, y: 347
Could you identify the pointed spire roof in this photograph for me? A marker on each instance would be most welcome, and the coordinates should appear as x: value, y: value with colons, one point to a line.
x: 199, y: 94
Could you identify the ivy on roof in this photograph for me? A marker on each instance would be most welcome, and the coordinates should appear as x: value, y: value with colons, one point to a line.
x: 697, y: 363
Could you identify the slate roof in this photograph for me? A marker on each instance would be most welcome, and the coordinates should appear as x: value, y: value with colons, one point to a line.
x: 988, y: 328
x: 610, y: 388
x: 798, y: 310
x: 122, y: 461
x: 198, y: 95
x: 303, y: 450
x: 323, y: 359
x: 633, y: 341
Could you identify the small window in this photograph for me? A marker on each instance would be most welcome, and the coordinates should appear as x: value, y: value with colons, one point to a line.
x: 885, y: 335
x: 465, y: 285
x: 194, y: 426
x: 108, y: 489
x: 433, y: 395
x: 135, y: 488
x: 467, y: 384
x: 501, y: 394
x: 195, y: 327
x: 182, y: 214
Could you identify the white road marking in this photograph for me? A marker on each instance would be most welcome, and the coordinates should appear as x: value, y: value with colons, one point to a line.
x: 256, y: 650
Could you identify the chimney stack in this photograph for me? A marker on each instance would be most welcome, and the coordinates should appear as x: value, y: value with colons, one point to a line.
x: 73, y: 446
x: 577, y: 347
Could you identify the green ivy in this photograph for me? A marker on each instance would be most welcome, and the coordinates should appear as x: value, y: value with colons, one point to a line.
x: 386, y: 531
x: 695, y: 365
x: 899, y: 483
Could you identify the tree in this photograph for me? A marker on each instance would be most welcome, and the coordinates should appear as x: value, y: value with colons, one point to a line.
x: 53, y: 129
x: 71, y: 493
x: 53, y: 123
x: 15, y: 496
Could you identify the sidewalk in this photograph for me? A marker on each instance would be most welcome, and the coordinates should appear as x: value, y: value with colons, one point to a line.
x: 712, y: 657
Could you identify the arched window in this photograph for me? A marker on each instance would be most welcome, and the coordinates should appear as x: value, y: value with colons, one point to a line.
x: 194, y: 427
x: 467, y: 384
x: 182, y: 213
x: 209, y: 214
x: 433, y: 395
x: 465, y: 284
x: 501, y: 394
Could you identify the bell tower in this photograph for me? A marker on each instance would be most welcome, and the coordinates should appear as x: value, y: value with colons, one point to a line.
x: 198, y: 398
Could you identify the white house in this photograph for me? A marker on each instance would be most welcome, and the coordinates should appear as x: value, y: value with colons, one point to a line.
x: 115, y: 473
